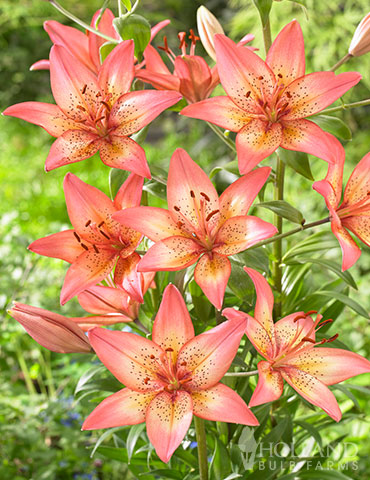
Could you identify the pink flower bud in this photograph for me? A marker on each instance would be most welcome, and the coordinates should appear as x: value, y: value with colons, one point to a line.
x: 208, y: 26
x: 360, y: 43
x: 52, y: 331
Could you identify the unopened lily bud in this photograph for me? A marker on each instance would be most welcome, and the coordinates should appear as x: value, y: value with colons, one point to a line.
x: 52, y: 331
x: 208, y: 26
x: 360, y: 43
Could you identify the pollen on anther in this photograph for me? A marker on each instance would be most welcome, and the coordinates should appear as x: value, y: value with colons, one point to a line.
x: 87, y: 223
x: 192, y: 194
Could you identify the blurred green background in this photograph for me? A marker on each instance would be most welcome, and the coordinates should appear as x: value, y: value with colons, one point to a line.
x: 40, y: 426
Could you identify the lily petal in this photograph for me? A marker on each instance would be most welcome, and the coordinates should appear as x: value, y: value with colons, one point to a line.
x: 128, y: 357
x: 244, y: 75
x: 313, y: 391
x: 69, y: 78
x: 117, y: 72
x: 351, y: 252
x: 256, y: 141
x: 222, y: 404
x: 305, y: 136
x: 46, y: 115
x: 360, y: 226
x: 172, y: 253
x: 212, y: 274
x: 168, y: 418
x: 159, y: 81
x: 129, y: 194
x: 71, y: 39
x: 73, y: 146
x: 221, y: 111
x: 290, y: 330
x: 269, y: 387
x: 190, y: 193
x: 125, y: 407
x: 155, y: 223
x: 125, y: 153
x: 95, y: 42
x: 158, y: 27
x: 172, y: 326
x: 154, y: 62
x: 63, y: 245
x: 209, y: 355
x: 286, y: 57
x: 102, y: 300
x: 237, y: 199
x: 40, y: 65
x: 314, y: 92
x: 195, y: 77
x: 358, y: 185
x: 89, y: 269
x: 239, y: 233
x: 331, y: 365
x: 88, y: 207
x: 127, y: 277
x: 135, y: 110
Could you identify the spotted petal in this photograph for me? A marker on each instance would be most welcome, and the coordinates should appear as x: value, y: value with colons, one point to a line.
x: 63, y: 245
x: 269, y: 387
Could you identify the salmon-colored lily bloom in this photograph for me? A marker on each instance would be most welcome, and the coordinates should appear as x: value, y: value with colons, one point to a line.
x: 54, y: 332
x: 199, y: 225
x: 267, y: 102
x: 171, y: 377
x: 354, y: 212
x: 292, y: 353
x: 97, y: 242
x: 95, y: 113
x: 85, y: 46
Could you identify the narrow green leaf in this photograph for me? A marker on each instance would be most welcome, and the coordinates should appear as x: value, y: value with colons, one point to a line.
x: 220, y: 464
x: 283, y: 209
x: 334, y: 267
x: 348, y: 393
x: 346, y: 300
x: 155, y: 188
x: 87, y: 376
x: 311, y: 430
x: 298, y: 161
x: 106, y: 435
x: 164, y: 473
x: 132, y: 438
x: 105, y: 50
x: 127, y: 4
x: 333, y: 125
x: 116, y: 179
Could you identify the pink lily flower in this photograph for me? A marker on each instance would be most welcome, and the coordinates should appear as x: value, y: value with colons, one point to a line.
x: 95, y: 114
x: 169, y: 378
x: 353, y: 213
x: 192, y: 77
x: 267, y: 102
x: 111, y: 305
x: 52, y: 331
x: 85, y: 46
x: 97, y: 243
x: 291, y: 353
x: 199, y: 225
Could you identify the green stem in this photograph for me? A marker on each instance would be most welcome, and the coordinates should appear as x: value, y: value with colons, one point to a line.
x: 119, y: 5
x: 278, y: 222
x: 218, y: 131
x: 290, y: 232
x: 26, y: 374
x: 362, y: 103
x: 341, y: 61
x: 47, y: 369
x: 159, y: 179
x: 200, y: 432
x: 81, y: 22
x: 241, y: 374
x: 266, y: 30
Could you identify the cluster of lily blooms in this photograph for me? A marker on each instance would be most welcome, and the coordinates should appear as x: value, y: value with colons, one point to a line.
x: 176, y: 374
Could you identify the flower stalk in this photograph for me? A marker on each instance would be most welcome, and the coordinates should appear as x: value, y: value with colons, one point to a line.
x: 200, y: 432
x: 341, y: 62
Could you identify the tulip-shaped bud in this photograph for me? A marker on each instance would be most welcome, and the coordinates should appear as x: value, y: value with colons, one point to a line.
x: 360, y: 43
x: 52, y: 331
x: 208, y: 26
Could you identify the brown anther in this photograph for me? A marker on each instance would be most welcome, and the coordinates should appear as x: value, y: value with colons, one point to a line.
x: 106, y: 105
x: 194, y: 38
x: 84, y: 246
x: 98, y: 95
x: 169, y: 349
x: 307, y: 339
x: 180, y: 224
x: 205, y: 196
x: 325, y: 322
x: 101, y: 223
x: 334, y: 337
x: 176, y: 208
x: 152, y: 357
x: 146, y: 380
x: 183, y: 364
x: 182, y: 38
x: 210, y: 215
x: 280, y: 75
x: 98, y: 119
x: 165, y: 48
x: 288, y: 94
x: 284, y: 106
x: 368, y: 193
x: 192, y: 194
x: 87, y: 223
x: 310, y: 312
x: 77, y: 236
x: 104, y: 234
x: 247, y: 95
x: 80, y: 107
x: 95, y: 248
x: 299, y: 317
x: 260, y: 78
x: 84, y: 89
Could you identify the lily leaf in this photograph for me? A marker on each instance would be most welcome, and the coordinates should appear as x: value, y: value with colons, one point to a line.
x: 298, y: 161
x: 333, y: 125
x: 283, y: 209
x: 134, y: 27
